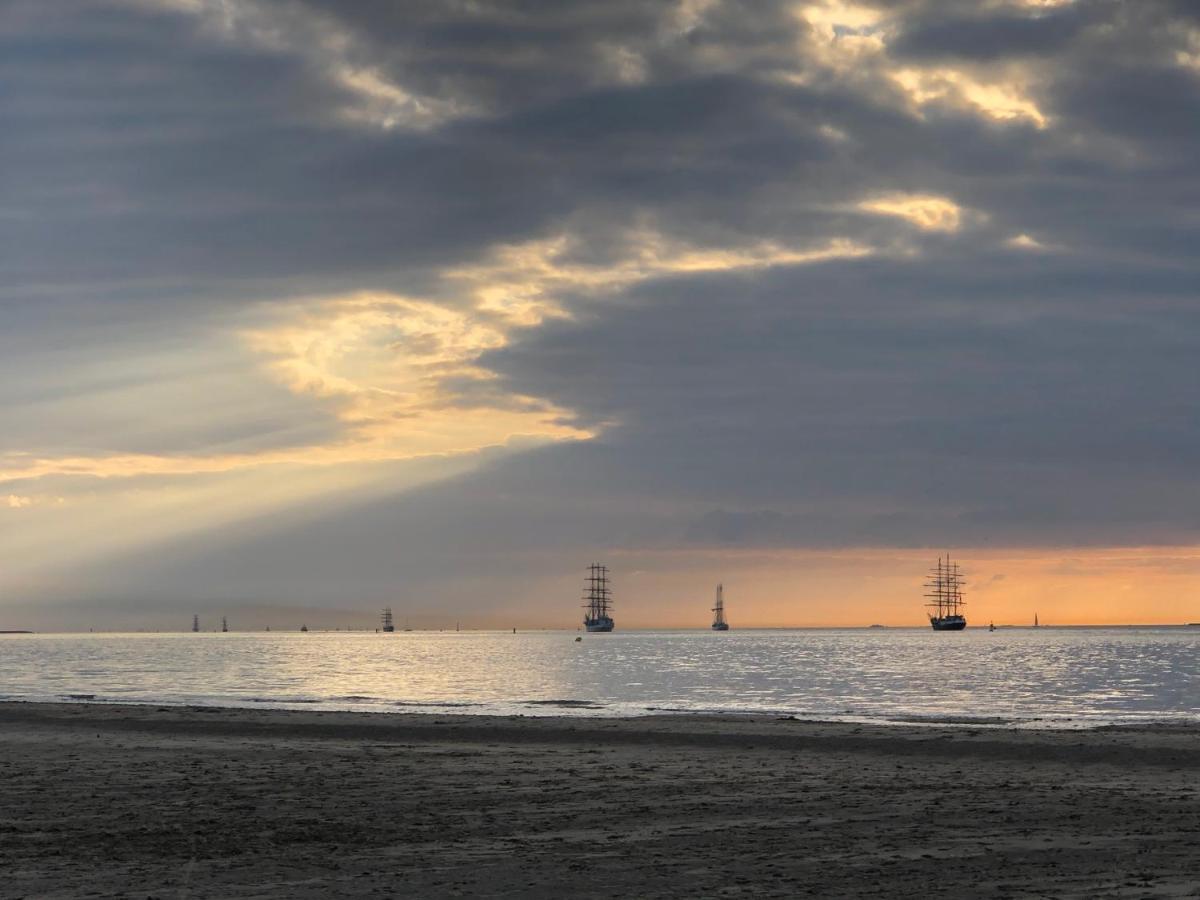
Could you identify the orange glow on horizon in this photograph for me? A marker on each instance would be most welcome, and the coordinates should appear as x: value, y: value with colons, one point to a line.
x: 859, y: 587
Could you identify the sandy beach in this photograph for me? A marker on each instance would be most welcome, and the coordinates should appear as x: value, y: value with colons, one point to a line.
x: 144, y: 801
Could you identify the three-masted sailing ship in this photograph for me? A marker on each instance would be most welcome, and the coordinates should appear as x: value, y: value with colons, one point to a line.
x: 718, y: 611
x: 597, y: 599
x: 945, y: 584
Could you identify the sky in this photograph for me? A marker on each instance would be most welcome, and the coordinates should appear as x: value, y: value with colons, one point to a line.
x: 311, y: 307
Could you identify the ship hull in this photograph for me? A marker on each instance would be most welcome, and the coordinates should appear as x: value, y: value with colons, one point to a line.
x: 948, y: 623
x: 600, y: 626
x: 720, y: 626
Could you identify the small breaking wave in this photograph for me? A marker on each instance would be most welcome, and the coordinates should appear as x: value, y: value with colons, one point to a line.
x: 281, y: 700
x: 435, y: 704
x: 565, y: 704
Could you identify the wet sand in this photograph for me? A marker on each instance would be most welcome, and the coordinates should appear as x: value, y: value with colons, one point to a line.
x: 112, y: 801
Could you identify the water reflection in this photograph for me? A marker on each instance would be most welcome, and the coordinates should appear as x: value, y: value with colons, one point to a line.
x: 1045, y: 677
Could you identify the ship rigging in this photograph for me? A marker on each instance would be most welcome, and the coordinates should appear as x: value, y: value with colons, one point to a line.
x: 718, y: 611
x: 597, y: 599
x: 945, y: 590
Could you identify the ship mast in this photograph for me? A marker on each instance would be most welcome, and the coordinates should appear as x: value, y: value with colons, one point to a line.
x: 945, y: 584
x: 954, y: 584
x: 598, y: 599
x: 719, y: 609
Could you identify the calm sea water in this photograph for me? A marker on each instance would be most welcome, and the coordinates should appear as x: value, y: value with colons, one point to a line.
x: 1055, y: 677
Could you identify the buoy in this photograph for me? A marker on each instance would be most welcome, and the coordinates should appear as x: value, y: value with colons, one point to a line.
x: 578, y: 639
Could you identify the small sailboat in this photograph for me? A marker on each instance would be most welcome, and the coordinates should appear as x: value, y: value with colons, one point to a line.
x: 945, y: 584
x: 1035, y: 621
x: 718, y: 611
x: 991, y: 626
x: 304, y: 628
x: 597, y: 600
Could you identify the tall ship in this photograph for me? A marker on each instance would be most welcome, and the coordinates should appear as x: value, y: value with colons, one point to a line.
x: 945, y: 591
x: 386, y: 623
x: 597, y: 600
x: 718, y: 611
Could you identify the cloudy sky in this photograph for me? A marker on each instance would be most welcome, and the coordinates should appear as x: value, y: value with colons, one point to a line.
x: 310, y: 306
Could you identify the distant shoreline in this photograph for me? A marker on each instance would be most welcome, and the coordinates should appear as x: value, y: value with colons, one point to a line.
x: 702, y: 629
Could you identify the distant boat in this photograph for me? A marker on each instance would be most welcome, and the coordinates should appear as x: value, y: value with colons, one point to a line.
x: 718, y: 611
x: 991, y: 626
x: 1035, y: 621
x: 877, y: 626
x: 304, y: 628
x: 945, y: 584
x: 385, y: 620
x: 598, y: 600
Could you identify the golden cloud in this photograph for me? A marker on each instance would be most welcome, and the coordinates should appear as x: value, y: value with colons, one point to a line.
x: 1001, y: 99
x: 852, y: 40
x: 522, y: 283
x: 926, y: 211
x: 402, y: 375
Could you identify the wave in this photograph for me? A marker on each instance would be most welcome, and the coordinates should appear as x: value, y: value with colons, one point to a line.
x: 279, y: 700
x: 435, y: 704
x: 565, y: 704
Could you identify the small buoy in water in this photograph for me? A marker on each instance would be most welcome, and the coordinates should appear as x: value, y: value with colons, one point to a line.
x: 578, y: 639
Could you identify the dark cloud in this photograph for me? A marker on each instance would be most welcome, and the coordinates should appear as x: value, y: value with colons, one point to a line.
x: 160, y: 170
x: 865, y: 390
x: 990, y: 36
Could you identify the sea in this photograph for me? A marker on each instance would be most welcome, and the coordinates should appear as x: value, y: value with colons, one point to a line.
x: 1012, y: 677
